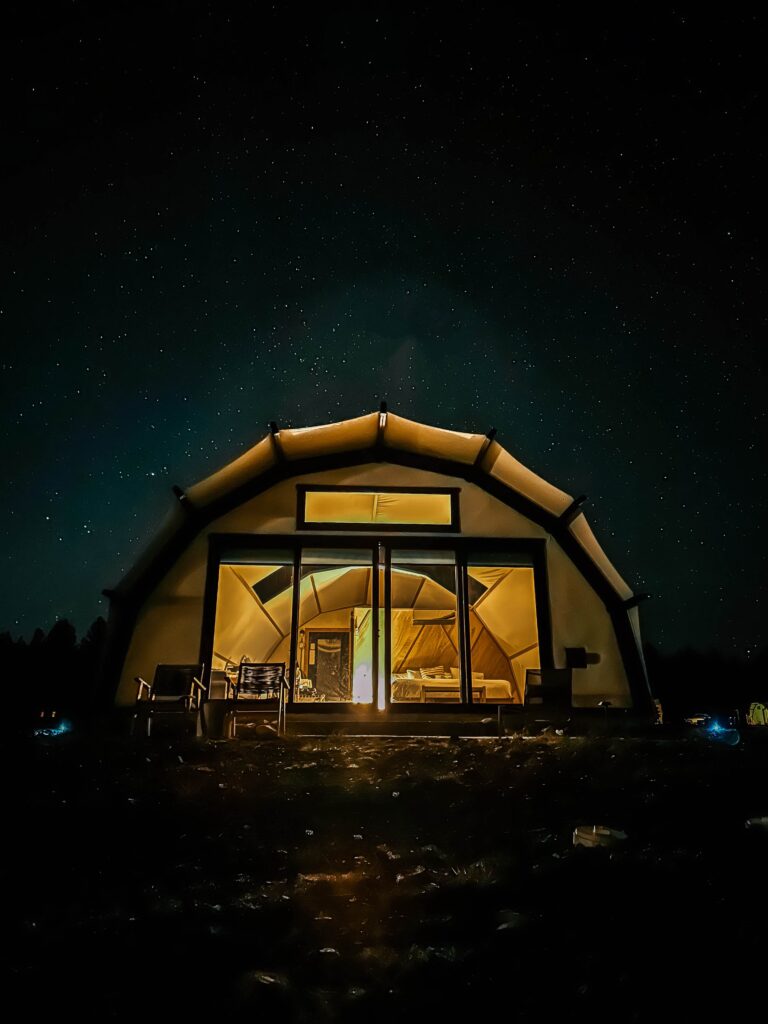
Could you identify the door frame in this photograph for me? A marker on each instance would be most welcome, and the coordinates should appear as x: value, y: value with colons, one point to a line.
x: 532, y: 552
x: 334, y: 630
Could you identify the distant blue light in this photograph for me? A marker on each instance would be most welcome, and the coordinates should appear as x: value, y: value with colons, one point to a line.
x: 724, y: 734
x: 57, y: 730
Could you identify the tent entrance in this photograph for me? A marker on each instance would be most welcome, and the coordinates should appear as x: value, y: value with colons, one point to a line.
x: 328, y: 663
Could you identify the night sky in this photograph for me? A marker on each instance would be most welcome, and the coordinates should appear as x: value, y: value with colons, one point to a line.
x: 216, y: 216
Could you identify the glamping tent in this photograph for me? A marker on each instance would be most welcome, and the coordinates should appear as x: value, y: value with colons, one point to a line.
x: 387, y: 564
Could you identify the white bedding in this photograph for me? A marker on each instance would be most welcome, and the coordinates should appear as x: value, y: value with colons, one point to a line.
x: 417, y: 690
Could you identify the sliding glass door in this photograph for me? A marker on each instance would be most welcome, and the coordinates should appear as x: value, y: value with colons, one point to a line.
x: 385, y: 622
x: 462, y: 625
x: 254, y: 614
x: 425, y: 650
x: 337, y: 642
x: 502, y: 627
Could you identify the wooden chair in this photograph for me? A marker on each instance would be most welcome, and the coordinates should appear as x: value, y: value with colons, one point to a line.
x: 175, y: 689
x: 257, y: 681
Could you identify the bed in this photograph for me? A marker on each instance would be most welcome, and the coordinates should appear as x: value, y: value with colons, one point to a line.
x: 438, y: 689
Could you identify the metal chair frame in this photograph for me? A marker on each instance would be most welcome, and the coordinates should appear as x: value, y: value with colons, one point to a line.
x: 262, y: 680
x: 174, y: 688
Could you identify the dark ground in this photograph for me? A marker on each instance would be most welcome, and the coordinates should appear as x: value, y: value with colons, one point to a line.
x: 384, y: 879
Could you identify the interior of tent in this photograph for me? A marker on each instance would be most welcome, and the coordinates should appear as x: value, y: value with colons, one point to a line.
x: 335, y: 628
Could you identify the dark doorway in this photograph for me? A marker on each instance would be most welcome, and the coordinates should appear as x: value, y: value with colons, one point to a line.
x: 328, y: 663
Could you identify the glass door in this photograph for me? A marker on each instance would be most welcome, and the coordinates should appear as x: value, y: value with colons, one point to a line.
x: 337, y: 642
x: 423, y: 627
x: 253, y: 615
x: 503, y: 633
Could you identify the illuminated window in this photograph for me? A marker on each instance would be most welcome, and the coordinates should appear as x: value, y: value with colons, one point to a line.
x: 335, y: 640
x: 358, y: 508
x: 254, y: 602
x: 503, y: 631
x: 385, y: 622
x: 425, y: 637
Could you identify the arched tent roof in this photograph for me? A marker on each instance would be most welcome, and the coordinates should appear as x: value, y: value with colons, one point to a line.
x: 382, y: 437
x: 386, y: 437
x: 394, y: 434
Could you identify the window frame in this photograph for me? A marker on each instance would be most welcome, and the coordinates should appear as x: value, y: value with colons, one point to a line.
x: 532, y: 550
x: 376, y: 528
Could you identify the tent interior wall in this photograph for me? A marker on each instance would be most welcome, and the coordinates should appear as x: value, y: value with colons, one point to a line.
x: 403, y: 608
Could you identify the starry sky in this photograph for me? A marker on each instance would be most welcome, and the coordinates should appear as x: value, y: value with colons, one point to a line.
x: 220, y: 215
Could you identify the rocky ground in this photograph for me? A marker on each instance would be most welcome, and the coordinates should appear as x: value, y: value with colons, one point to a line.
x: 383, y: 879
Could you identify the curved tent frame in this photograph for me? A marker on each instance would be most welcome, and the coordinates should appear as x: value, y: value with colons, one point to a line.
x: 381, y: 437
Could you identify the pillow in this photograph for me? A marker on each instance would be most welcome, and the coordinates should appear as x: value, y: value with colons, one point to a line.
x: 436, y: 671
x: 478, y: 675
x: 454, y: 671
x: 412, y: 673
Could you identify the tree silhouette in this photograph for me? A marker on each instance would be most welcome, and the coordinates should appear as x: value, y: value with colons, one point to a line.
x: 51, y: 673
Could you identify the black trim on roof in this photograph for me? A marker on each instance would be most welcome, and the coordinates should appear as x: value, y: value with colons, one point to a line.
x: 381, y: 426
x: 489, y: 437
x: 573, y: 511
x: 274, y: 433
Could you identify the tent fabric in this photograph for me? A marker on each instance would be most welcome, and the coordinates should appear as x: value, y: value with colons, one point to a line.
x: 397, y: 433
x: 502, y: 466
x: 412, y: 508
x: 410, y: 436
x: 253, y: 463
x: 582, y: 531
x: 330, y: 438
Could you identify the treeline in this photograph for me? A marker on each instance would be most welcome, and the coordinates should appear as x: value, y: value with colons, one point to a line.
x: 52, y: 672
